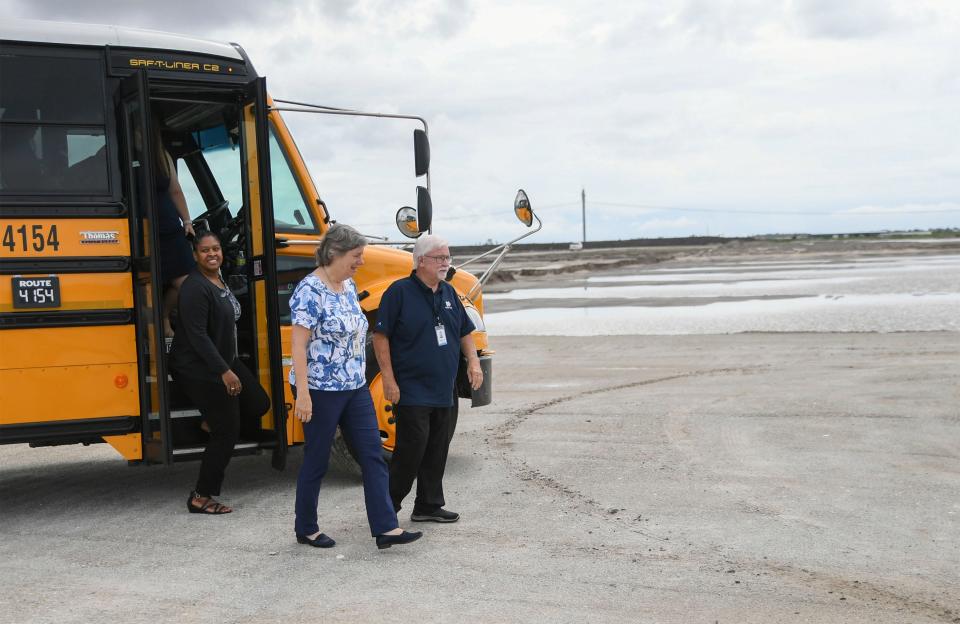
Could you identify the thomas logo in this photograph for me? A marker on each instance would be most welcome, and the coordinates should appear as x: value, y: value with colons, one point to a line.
x: 99, y: 238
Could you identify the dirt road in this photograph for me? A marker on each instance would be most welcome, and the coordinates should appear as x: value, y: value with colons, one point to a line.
x: 743, y: 478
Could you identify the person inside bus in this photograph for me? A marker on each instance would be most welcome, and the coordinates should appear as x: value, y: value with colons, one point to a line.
x: 205, y: 364
x: 173, y: 228
x: 330, y: 388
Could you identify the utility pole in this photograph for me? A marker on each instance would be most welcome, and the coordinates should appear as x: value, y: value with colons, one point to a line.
x: 583, y: 205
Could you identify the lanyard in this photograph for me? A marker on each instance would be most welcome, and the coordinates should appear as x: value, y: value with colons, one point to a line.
x: 432, y: 300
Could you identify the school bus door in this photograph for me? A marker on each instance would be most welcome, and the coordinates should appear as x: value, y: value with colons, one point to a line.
x: 263, y: 263
x: 139, y: 173
x: 158, y: 442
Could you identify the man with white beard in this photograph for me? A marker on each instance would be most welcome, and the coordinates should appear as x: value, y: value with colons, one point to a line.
x: 420, y: 332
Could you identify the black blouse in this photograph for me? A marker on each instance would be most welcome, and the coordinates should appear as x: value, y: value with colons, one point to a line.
x: 205, y: 344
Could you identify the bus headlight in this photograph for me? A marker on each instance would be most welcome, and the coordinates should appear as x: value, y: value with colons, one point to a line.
x: 477, y: 320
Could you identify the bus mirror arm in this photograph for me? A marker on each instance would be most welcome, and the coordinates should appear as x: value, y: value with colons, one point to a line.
x: 503, y: 249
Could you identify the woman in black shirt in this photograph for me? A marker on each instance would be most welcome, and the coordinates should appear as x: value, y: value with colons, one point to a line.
x: 204, y: 363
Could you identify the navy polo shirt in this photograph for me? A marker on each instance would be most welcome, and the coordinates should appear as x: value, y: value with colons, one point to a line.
x: 408, y: 316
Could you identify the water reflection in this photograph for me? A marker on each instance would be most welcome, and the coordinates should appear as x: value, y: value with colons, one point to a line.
x: 854, y: 313
x: 920, y: 293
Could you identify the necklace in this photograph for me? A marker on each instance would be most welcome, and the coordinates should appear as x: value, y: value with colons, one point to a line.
x: 338, y: 288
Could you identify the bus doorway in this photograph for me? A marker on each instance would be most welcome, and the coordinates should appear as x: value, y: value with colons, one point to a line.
x: 215, y: 138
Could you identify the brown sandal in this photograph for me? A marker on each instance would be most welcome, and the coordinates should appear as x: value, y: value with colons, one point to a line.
x: 209, y: 505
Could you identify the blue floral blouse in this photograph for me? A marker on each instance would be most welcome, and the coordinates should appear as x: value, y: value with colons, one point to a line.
x: 336, y: 354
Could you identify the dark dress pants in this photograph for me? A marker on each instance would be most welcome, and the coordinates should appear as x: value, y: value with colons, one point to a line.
x: 227, y: 416
x: 423, y: 440
x: 353, y: 411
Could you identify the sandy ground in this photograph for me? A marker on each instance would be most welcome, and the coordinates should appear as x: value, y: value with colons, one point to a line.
x: 788, y: 477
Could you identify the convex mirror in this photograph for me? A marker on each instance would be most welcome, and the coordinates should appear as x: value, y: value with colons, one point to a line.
x: 414, y: 222
x: 521, y: 208
x: 407, y: 222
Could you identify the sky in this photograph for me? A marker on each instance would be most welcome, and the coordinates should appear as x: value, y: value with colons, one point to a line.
x: 674, y: 117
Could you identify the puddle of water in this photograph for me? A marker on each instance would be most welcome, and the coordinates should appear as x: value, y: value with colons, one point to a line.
x: 823, y: 313
x: 892, y: 275
x: 733, y: 288
x: 951, y: 261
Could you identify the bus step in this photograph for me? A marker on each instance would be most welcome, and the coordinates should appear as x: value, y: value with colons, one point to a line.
x: 187, y: 413
x: 194, y: 452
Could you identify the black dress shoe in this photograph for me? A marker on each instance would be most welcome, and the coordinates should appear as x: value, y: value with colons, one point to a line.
x: 320, y: 541
x: 386, y: 541
x: 440, y: 515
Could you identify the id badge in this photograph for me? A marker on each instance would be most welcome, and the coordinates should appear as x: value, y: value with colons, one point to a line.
x: 357, y: 343
x: 441, y: 335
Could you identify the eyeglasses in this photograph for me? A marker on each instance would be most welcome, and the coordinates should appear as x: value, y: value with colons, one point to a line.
x: 440, y: 259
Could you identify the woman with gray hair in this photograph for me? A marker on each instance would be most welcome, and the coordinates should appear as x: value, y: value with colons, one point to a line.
x: 330, y: 388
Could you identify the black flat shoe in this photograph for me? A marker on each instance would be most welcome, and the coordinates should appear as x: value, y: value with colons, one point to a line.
x: 440, y: 515
x: 386, y: 541
x: 320, y: 541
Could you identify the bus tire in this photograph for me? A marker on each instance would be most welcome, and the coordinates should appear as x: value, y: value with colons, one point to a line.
x: 342, y: 454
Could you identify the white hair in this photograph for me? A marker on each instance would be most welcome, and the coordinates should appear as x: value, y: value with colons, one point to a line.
x: 424, y: 245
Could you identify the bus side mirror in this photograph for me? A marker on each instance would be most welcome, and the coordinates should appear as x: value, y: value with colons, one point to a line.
x: 407, y: 222
x: 421, y: 152
x: 424, y: 209
x: 412, y: 223
x: 522, y: 208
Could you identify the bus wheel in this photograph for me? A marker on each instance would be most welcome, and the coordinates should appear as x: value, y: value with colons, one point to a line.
x: 342, y: 455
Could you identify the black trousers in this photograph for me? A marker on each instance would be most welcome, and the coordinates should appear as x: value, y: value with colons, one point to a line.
x: 423, y: 439
x: 227, y: 416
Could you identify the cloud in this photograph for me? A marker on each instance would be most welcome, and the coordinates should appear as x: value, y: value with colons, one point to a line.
x: 420, y: 18
x: 452, y: 17
x: 850, y: 19
x: 733, y: 21
x: 799, y: 105
x: 183, y: 16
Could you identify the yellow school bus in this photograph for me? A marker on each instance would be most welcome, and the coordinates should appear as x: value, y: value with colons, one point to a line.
x: 84, y: 112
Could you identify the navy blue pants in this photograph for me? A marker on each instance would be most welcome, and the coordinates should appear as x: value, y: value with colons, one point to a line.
x: 353, y: 411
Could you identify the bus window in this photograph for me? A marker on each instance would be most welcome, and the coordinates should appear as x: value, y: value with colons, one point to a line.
x: 290, y: 212
x: 52, y: 137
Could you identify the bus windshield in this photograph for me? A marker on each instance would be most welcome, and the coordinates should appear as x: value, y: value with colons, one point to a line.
x: 222, y: 159
x: 223, y: 162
